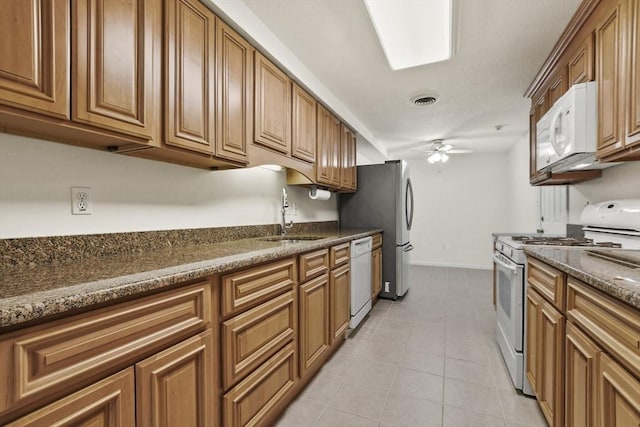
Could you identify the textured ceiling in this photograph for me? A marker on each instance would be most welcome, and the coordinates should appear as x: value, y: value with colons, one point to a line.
x: 500, y: 46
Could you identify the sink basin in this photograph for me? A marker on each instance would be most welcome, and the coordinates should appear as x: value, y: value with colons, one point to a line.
x: 289, y: 239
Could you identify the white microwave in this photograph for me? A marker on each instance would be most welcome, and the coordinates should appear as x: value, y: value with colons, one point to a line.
x: 566, y: 134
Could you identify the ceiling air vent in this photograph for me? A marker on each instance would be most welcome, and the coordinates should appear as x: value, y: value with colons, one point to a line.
x: 423, y: 100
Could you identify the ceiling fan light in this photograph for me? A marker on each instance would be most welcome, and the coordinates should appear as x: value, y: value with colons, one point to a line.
x: 444, y: 157
x: 431, y: 159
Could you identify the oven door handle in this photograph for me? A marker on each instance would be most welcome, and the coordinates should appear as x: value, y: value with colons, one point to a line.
x: 511, y: 268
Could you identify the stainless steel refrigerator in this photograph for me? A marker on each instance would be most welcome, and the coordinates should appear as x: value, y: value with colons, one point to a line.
x: 384, y: 200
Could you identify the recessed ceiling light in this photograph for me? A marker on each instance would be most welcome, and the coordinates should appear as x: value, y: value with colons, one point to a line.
x: 412, y: 32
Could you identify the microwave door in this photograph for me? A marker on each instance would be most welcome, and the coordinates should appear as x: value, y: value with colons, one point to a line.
x: 559, y: 131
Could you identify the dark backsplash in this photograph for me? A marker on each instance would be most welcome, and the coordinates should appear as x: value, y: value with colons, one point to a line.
x: 60, y: 249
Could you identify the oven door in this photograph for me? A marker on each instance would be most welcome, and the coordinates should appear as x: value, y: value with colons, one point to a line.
x: 510, y: 296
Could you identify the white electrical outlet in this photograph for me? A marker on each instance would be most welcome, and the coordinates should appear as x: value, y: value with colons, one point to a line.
x: 81, y: 203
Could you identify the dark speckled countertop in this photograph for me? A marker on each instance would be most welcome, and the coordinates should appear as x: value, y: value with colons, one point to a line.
x: 615, y: 272
x: 30, y: 294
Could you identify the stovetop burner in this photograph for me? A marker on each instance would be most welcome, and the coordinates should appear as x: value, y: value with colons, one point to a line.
x: 563, y: 241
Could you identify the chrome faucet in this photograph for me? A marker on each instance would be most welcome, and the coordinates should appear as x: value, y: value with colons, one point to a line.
x: 285, y: 204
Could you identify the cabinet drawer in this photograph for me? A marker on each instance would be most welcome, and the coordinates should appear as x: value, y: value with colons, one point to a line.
x: 551, y: 283
x: 252, y: 286
x: 376, y: 241
x: 260, y: 395
x: 110, y: 399
x: 313, y: 264
x: 252, y: 337
x: 339, y: 254
x: 53, y: 359
x: 612, y: 324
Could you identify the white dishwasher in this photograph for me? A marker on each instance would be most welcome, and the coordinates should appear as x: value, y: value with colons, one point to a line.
x: 360, y: 280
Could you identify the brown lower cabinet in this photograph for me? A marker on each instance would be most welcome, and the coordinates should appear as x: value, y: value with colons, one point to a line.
x: 548, y: 377
x: 581, y: 374
x: 230, y: 350
x: 314, y: 322
x: 585, y: 356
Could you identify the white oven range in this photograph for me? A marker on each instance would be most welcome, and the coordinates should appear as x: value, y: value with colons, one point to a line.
x: 606, y: 224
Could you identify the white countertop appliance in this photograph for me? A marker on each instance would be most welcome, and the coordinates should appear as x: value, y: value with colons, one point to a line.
x: 606, y: 224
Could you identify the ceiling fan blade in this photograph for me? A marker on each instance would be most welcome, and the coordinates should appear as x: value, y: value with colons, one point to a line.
x: 459, y: 151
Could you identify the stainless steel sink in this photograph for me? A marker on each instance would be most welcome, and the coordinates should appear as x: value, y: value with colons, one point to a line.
x: 289, y: 239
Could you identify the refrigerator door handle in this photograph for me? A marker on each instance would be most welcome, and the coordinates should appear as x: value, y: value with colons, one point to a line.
x: 408, y: 211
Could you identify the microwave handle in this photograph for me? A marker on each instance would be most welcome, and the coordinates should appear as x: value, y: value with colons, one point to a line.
x: 552, y: 131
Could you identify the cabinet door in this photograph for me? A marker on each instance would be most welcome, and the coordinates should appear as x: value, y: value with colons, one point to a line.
x: 581, y: 376
x: 314, y: 322
x: 550, y: 392
x: 632, y: 104
x: 581, y: 63
x: 558, y: 86
x: 34, y: 56
x: 348, y: 159
x: 376, y: 272
x: 116, y: 65
x: 340, y: 292
x: 324, y: 146
x: 109, y: 402
x: 608, y: 67
x: 235, y: 94
x: 303, y: 125
x: 176, y: 387
x: 533, y: 120
x: 335, y: 152
x: 618, y: 395
x: 190, y: 78
x: 272, y: 106
x: 532, y: 353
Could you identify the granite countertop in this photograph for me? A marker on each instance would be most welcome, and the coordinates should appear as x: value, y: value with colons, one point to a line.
x: 31, y: 293
x: 615, y: 272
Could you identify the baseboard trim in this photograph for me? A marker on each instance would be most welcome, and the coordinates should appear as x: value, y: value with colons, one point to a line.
x: 451, y: 265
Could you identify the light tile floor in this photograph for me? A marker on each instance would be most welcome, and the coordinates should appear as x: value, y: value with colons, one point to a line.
x: 430, y: 359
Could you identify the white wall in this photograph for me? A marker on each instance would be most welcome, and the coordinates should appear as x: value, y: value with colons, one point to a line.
x: 618, y: 182
x: 457, y: 207
x: 523, y: 197
x: 132, y: 194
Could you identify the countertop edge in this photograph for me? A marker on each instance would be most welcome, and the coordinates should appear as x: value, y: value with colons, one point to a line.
x: 610, y: 288
x: 28, y: 309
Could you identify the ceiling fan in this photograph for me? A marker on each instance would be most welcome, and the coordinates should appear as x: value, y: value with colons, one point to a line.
x: 439, y: 151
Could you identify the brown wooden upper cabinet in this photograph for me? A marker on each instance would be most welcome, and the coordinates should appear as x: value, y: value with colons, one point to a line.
x: 608, y: 51
x: 235, y: 94
x: 632, y: 99
x: 617, y: 76
x: 323, y: 159
x: 34, y: 56
x: 348, y: 159
x: 558, y: 86
x: 272, y: 106
x: 335, y: 154
x: 116, y: 64
x: 303, y: 124
x: 580, y: 65
x: 190, y: 80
